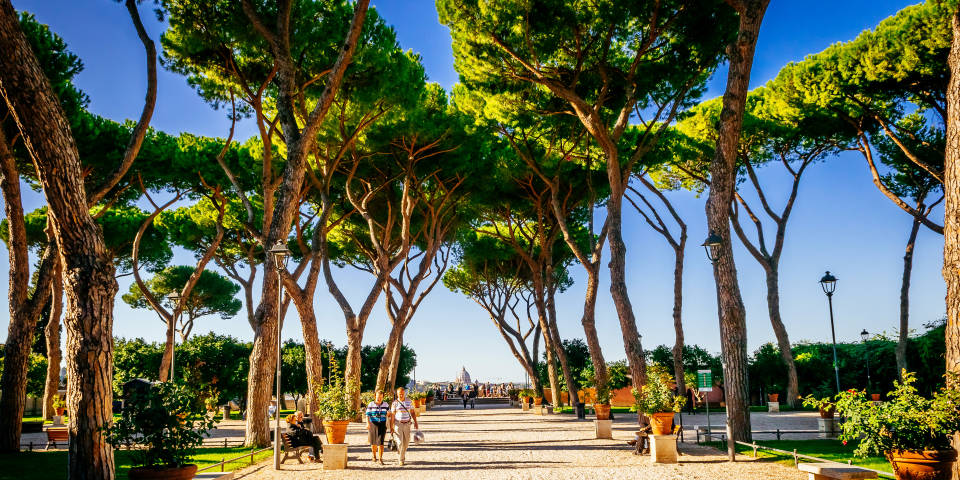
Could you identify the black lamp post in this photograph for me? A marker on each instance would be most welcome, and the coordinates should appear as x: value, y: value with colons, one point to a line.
x: 280, y: 254
x: 829, y: 284
x: 865, y: 335
x: 712, y: 246
x: 174, y: 297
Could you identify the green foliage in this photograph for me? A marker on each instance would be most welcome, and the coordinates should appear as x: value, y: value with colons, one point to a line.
x: 657, y: 396
x: 215, y: 366
x: 618, y: 371
x: 166, y: 420
x: 293, y: 357
x: 36, y: 374
x: 907, y: 421
x: 334, y: 398
x: 134, y: 359
x: 370, y: 357
x: 213, y: 293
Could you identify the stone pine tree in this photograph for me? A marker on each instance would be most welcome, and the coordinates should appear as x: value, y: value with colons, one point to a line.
x: 732, y: 316
x: 88, y: 272
x: 234, y: 51
x: 605, y: 63
x: 87, y: 268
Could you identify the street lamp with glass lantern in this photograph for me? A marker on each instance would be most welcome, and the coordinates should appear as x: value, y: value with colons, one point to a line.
x: 712, y: 246
x: 865, y: 335
x: 829, y: 284
x: 174, y: 297
x: 280, y: 254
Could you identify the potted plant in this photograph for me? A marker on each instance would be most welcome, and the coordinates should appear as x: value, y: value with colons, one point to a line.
x: 538, y: 398
x: 59, y: 405
x: 657, y: 400
x: 875, y: 397
x: 335, y: 405
x: 824, y: 405
x: 601, y: 406
x: 165, y: 424
x: 911, y: 431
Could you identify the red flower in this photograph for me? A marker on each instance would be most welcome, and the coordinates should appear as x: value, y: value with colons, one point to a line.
x: 844, y: 442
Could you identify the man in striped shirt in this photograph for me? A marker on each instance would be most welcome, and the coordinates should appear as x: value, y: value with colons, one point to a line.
x: 401, y: 414
x: 377, y: 424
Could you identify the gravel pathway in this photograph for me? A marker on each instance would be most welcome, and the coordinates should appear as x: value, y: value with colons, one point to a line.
x: 497, y: 442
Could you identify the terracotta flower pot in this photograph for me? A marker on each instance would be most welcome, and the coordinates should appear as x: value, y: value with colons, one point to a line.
x: 661, y: 423
x: 773, y: 397
x: 926, y: 465
x: 602, y: 410
x: 538, y: 400
x: 185, y: 472
x: 60, y: 411
x: 827, y: 412
x: 336, y: 430
x: 875, y: 397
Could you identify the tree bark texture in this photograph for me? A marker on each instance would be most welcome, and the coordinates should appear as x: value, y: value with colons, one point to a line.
x: 780, y: 331
x: 951, y: 234
x: 901, y: 350
x: 263, y: 360
x: 54, y: 355
x: 618, y: 283
x: 89, y: 283
x: 561, y: 353
x: 601, y: 377
x: 678, y: 316
x: 732, y: 316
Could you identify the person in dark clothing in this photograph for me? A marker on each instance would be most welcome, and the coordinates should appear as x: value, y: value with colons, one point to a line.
x: 473, y: 399
x: 465, y: 396
x: 300, y: 435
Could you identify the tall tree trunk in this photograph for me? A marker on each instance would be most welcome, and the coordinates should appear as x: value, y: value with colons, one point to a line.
x: 89, y: 284
x: 52, y: 334
x: 166, y: 361
x: 561, y: 353
x: 395, y: 363
x: 951, y: 226
x: 618, y: 282
x: 732, y: 317
x: 600, y: 376
x: 901, y: 350
x: 311, y: 348
x: 263, y: 360
x: 780, y: 331
x: 354, y: 365
x: 549, y: 347
x: 678, y: 316
x: 385, y: 380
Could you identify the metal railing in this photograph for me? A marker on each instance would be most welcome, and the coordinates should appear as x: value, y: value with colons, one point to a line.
x: 223, y: 462
x: 797, y: 456
x: 210, y: 442
x: 722, y: 433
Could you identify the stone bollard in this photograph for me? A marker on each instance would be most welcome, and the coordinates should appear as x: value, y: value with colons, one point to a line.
x: 773, y: 407
x: 226, y: 412
x: 663, y: 448
x: 603, y: 428
x: 335, y: 456
x: 525, y: 406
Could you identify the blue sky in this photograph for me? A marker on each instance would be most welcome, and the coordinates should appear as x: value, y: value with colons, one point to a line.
x: 840, y: 222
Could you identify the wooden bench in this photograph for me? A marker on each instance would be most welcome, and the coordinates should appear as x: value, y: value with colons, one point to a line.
x: 289, y: 451
x: 57, y: 434
x: 829, y: 471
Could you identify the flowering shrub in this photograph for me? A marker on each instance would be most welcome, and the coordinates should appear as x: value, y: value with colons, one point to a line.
x: 335, y: 399
x: 908, y: 421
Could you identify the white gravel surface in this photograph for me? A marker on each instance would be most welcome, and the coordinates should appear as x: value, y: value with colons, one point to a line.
x: 496, y: 442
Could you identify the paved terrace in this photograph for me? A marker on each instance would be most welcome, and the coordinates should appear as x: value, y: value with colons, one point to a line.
x: 498, y: 442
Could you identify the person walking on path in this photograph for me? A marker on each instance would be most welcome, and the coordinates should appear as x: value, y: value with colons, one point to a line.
x: 465, y: 396
x: 401, y: 415
x: 377, y: 411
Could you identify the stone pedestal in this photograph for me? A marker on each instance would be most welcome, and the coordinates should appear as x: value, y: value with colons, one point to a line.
x: 226, y: 413
x: 539, y: 410
x: 525, y: 406
x: 335, y: 456
x: 58, y: 419
x: 827, y: 427
x: 773, y: 407
x: 603, y: 428
x: 663, y: 449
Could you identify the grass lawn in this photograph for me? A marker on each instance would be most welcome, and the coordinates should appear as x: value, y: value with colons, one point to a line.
x: 833, y: 450
x: 53, y: 465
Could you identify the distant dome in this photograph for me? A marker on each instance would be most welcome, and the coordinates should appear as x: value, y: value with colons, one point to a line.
x: 463, y: 376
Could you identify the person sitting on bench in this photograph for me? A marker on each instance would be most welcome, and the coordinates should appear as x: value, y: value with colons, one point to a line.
x: 300, y: 435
